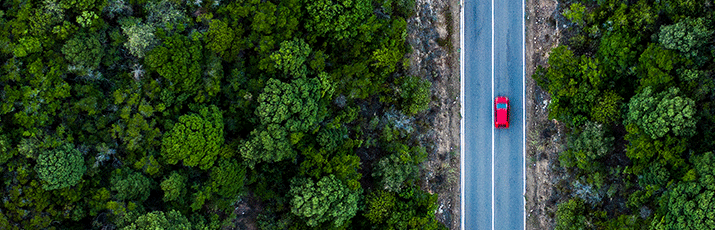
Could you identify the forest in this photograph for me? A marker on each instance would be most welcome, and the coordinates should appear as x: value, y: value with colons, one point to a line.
x: 166, y: 114
x: 634, y: 82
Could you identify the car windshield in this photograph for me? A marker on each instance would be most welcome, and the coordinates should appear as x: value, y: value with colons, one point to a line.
x: 501, y: 106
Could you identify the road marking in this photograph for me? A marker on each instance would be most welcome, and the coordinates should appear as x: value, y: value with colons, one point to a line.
x: 492, y: 114
x: 523, y: 108
x: 461, y: 110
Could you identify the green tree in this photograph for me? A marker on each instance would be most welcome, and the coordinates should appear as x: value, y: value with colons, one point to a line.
x: 84, y: 50
x: 286, y: 111
x: 679, y: 9
x: 618, y: 54
x: 178, y: 60
x: 136, y: 127
x: 415, y: 94
x: 571, y: 215
x: 61, y: 167
x: 662, y: 113
x: 174, y: 187
x: 140, y: 36
x: 220, y: 38
x: 576, y: 13
x: 338, y: 18
x: 414, y: 209
x: 656, y: 67
x: 585, y: 148
x: 196, y: 139
x: 608, y: 108
x: 575, y: 84
x: 158, y: 220
x: 227, y: 178
x: 130, y: 185
x: 399, y: 167
x: 328, y: 200
x: 26, y: 46
x: 642, y: 149
x: 165, y: 13
x: 686, y: 36
x: 291, y: 58
x: 380, y: 205
x: 688, y: 204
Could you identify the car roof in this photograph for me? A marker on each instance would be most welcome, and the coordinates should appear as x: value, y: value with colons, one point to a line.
x: 501, y: 116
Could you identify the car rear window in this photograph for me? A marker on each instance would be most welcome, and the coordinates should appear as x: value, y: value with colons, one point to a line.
x: 501, y: 106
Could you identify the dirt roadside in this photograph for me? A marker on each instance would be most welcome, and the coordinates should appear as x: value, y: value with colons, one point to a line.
x: 433, y: 34
x: 544, y: 136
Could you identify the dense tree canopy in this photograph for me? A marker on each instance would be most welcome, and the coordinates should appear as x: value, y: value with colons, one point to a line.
x: 286, y: 112
x: 170, y: 114
x: 686, y: 204
x: 633, y: 81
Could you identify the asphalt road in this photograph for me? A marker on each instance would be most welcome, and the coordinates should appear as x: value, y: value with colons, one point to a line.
x: 493, y: 161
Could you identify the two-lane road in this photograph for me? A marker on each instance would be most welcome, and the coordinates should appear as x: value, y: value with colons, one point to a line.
x: 492, y: 160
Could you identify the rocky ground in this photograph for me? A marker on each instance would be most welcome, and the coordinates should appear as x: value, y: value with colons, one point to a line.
x: 433, y: 33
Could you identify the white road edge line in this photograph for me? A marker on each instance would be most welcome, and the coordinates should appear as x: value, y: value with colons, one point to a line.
x: 523, y: 106
x: 461, y: 110
x: 492, y: 114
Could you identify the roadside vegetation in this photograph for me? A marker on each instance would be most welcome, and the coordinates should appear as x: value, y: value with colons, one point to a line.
x: 634, y: 82
x: 168, y: 114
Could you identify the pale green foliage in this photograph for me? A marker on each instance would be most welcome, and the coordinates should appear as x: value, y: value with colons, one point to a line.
x: 227, y: 178
x: 608, y: 108
x: 689, y: 204
x: 387, y: 58
x: 659, y: 114
x: 130, y: 185
x: 587, y: 147
x: 291, y: 58
x: 575, y: 13
x: 27, y: 45
x: 686, y: 36
x: 116, y: 7
x: 61, y: 167
x: 338, y: 18
x: 158, y: 220
x: 380, y: 205
x: 164, y: 12
x: 327, y: 200
x: 196, y: 139
x: 174, y: 187
x: 415, y: 94
x: 140, y: 36
x: 148, y: 165
x: 285, y: 111
x: 87, y: 18
x: 394, y: 170
x: 84, y: 50
x: 219, y: 37
x: 570, y: 215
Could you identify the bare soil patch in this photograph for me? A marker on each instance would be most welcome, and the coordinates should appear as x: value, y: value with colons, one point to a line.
x: 433, y: 33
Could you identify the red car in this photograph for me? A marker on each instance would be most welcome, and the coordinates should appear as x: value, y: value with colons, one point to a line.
x: 501, y: 112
